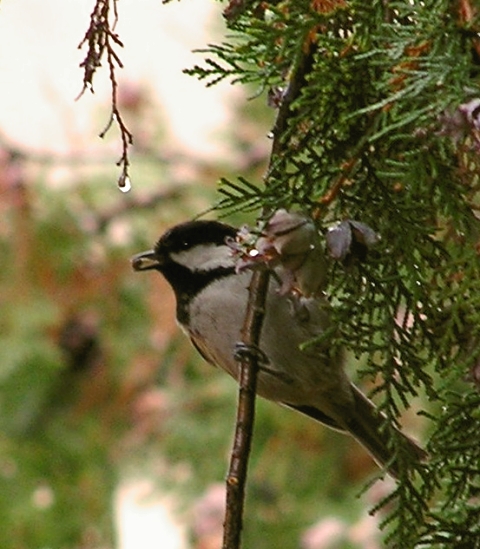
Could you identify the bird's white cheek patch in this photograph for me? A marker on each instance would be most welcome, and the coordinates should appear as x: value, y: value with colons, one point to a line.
x: 204, y: 257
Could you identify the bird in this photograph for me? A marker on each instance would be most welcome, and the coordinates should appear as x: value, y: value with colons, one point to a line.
x: 211, y: 299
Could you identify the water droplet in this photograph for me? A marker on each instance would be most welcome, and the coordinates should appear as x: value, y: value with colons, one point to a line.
x: 124, y: 183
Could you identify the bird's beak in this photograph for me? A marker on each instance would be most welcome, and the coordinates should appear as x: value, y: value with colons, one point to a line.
x: 145, y: 261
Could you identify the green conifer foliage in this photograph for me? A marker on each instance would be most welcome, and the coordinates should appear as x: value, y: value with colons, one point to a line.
x: 384, y: 128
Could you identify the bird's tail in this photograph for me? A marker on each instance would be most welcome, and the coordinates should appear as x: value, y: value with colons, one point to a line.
x: 388, y: 446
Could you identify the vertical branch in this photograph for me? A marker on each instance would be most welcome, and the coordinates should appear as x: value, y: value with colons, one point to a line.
x: 237, y: 474
x: 295, y: 85
x: 248, y: 366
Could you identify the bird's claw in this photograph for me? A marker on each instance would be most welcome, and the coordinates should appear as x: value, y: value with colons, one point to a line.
x: 244, y: 351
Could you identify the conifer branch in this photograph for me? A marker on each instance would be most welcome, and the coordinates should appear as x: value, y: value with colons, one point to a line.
x: 386, y: 132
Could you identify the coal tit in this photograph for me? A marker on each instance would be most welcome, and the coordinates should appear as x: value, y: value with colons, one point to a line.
x: 211, y: 298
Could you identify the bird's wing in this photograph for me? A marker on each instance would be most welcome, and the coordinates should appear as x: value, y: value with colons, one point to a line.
x: 201, y: 346
x: 316, y: 414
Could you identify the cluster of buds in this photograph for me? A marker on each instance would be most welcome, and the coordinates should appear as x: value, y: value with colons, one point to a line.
x: 290, y: 243
x: 463, y: 122
x: 350, y: 238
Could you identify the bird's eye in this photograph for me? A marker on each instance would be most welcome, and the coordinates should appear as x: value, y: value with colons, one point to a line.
x: 185, y: 245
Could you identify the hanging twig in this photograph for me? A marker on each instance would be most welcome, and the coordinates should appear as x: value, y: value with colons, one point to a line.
x: 248, y: 366
x: 101, y: 40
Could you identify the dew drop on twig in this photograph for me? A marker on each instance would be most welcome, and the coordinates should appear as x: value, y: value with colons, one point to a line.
x: 124, y: 183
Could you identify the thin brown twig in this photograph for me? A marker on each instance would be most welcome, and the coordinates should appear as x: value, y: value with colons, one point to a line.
x: 332, y: 193
x: 468, y: 14
x: 125, y: 134
x: 248, y: 366
x: 234, y: 9
x: 388, y: 14
x: 237, y: 474
x: 296, y: 83
x: 101, y: 40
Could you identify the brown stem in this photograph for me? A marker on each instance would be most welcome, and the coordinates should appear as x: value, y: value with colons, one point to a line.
x: 237, y: 474
x: 236, y: 478
x: 101, y: 40
x: 332, y: 193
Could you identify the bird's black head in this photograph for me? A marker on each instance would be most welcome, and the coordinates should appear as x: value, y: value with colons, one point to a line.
x: 190, y: 256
